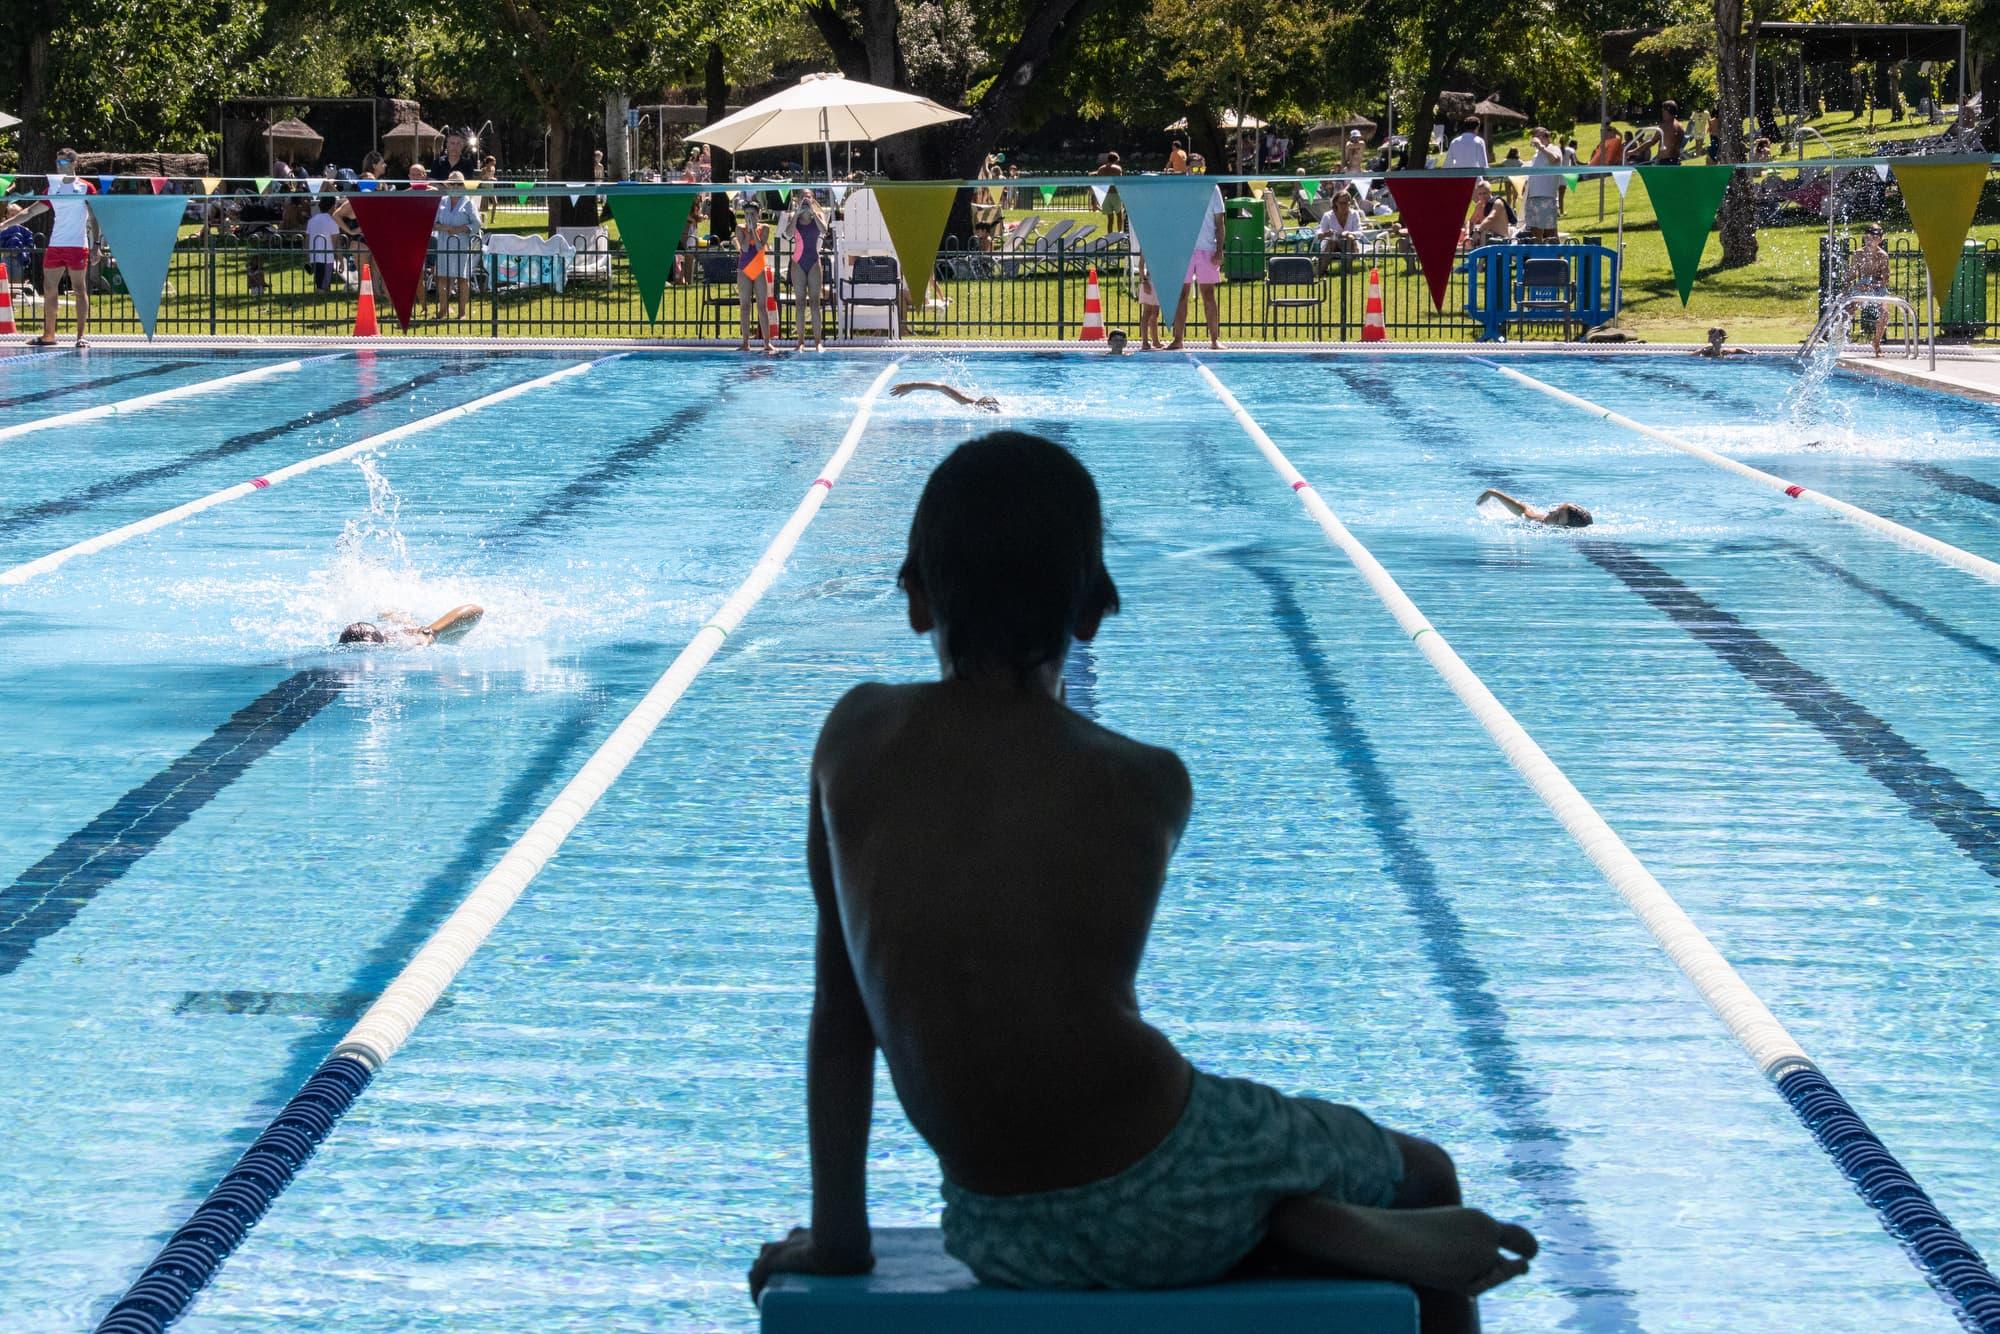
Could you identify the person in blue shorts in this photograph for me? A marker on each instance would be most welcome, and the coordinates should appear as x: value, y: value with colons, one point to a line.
x: 986, y: 864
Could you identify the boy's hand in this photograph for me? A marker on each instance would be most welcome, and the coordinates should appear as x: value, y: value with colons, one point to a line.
x: 797, y: 1254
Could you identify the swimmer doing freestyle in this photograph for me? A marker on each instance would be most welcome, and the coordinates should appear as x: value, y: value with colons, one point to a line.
x: 1565, y: 515
x: 404, y: 632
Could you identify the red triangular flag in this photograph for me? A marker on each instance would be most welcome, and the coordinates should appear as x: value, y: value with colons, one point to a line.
x: 158, y: 183
x: 1433, y: 209
x: 397, y: 230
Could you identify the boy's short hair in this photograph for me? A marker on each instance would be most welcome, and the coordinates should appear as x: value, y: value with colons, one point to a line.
x: 1007, y: 547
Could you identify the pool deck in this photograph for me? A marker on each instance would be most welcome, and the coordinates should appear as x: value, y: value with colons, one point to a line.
x: 1969, y: 375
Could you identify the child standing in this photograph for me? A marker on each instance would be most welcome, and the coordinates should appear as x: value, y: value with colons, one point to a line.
x: 1149, y: 312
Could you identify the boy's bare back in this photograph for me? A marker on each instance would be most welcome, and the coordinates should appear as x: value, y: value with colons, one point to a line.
x: 997, y: 970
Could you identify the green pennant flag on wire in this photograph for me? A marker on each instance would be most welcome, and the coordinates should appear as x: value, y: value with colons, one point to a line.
x: 1048, y: 194
x: 1941, y: 198
x: 1572, y: 178
x: 915, y: 213
x: 521, y: 189
x: 1685, y: 200
x: 6, y: 183
x: 262, y: 183
x: 651, y: 227
x: 1309, y: 188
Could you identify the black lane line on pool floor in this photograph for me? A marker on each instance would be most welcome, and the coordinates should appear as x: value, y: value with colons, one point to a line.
x: 28, y: 516
x: 1944, y: 479
x: 101, y: 382
x: 1921, y: 617
x: 580, y: 492
x: 1929, y: 791
x: 1584, y: 1261
x: 251, y: 1183
x: 48, y: 895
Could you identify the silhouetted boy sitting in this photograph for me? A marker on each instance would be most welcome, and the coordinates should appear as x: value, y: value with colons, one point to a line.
x: 986, y: 865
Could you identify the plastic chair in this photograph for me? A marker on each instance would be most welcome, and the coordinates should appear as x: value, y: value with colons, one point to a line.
x: 1292, y: 272
x: 718, y: 269
x: 1546, y: 286
x: 872, y: 272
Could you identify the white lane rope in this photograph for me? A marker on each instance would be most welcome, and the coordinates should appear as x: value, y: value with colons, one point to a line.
x: 129, y: 405
x: 1754, y: 1026
x: 1958, y: 557
x: 20, y: 574
x: 387, y: 1025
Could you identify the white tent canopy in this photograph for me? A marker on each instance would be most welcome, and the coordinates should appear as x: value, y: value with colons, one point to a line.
x: 824, y: 109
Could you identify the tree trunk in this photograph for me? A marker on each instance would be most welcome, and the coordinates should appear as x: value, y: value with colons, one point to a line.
x: 1416, y: 155
x: 577, y: 134
x: 715, y: 96
x: 37, y: 153
x: 1738, y: 216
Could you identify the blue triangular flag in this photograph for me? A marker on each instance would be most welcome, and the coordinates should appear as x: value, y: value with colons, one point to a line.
x: 141, y: 229
x: 1167, y: 214
x: 366, y: 186
x: 104, y: 183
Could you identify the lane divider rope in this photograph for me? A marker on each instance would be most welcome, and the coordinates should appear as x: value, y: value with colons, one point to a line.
x: 1940, y: 1253
x: 20, y: 574
x: 191, y: 1257
x: 1957, y: 557
x: 129, y: 405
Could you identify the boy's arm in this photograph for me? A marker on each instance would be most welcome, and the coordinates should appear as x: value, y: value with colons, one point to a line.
x: 840, y: 1073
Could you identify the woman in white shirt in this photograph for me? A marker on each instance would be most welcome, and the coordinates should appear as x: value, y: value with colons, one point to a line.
x: 1339, y: 227
x: 457, y: 231
x: 68, y: 250
x: 321, y: 230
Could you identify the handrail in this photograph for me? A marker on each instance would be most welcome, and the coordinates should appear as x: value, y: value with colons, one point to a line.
x: 1843, y: 310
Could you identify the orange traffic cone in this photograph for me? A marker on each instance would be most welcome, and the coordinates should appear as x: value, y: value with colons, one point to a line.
x: 6, y: 302
x: 771, y: 311
x: 1093, y: 310
x: 364, y: 312
x: 1373, y: 328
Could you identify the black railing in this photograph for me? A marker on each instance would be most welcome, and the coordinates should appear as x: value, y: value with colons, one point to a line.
x: 262, y: 284
x: 1969, y: 308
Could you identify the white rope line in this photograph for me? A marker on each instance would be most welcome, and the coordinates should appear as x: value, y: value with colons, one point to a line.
x: 1965, y: 560
x: 389, y: 1022
x: 1754, y: 1026
x: 125, y: 405
x: 20, y: 574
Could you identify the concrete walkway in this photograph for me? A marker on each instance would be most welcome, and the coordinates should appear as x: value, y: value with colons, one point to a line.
x: 1969, y: 376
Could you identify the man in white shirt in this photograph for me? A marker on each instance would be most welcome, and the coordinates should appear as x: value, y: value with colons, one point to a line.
x: 1538, y: 213
x: 1468, y: 150
x: 68, y: 250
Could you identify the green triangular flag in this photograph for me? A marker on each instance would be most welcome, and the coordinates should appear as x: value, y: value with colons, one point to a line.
x: 6, y: 183
x: 915, y: 213
x: 262, y: 183
x: 651, y: 226
x: 1048, y: 193
x: 1685, y: 200
x: 1309, y: 188
x: 1571, y: 178
x: 1941, y: 197
x: 521, y: 189
x: 141, y: 230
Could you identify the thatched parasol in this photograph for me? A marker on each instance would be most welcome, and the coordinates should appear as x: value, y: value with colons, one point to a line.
x: 1357, y: 121
x: 411, y: 138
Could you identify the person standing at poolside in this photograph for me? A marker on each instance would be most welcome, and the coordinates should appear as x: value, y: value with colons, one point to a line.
x: 1542, y: 203
x: 1673, y: 135
x: 808, y: 270
x: 1468, y: 149
x: 1177, y: 160
x: 1868, y: 275
x: 456, y: 232
x: 1204, y: 274
x: 753, y: 277
x: 68, y: 249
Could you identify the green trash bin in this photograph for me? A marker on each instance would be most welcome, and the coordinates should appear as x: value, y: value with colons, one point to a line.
x: 1243, y: 238
x: 1964, y: 306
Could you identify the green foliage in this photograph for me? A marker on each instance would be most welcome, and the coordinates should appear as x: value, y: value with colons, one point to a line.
x: 146, y: 74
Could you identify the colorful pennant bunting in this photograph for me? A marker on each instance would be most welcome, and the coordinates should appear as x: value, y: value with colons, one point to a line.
x: 262, y: 183
x: 1309, y: 188
x: 210, y: 184
x: 1623, y: 180
x: 1433, y: 209
x: 140, y: 230
x: 104, y: 183
x: 1941, y: 197
x: 6, y: 182
x: 1167, y: 213
x: 366, y: 186
x: 521, y: 189
x: 1685, y: 200
x: 315, y: 183
x: 159, y: 183
x: 651, y: 227
x: 397, y: 231
x: 1048, y: 193
x: 914, y: 213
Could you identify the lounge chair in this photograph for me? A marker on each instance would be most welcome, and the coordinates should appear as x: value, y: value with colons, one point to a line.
x: 591, y: 261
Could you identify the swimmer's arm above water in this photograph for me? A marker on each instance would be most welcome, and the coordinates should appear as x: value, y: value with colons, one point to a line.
x: 1514, y: 507
x: 987, y: 401
x: 455, y: 624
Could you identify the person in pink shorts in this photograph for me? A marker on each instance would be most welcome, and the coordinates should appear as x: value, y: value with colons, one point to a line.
x: 68, y: 250
x: 1204, y: 272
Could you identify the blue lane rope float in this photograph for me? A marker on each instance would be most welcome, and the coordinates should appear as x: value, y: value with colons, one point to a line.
x: 191, y: 1257
x: 1945, y: 1259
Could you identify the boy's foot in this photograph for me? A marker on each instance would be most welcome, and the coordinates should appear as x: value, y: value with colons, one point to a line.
x: 46, y: 340
x: 743, y: 346
x: 1214, y: 345
x: 1174, y: 346
x: 1451, y: 1249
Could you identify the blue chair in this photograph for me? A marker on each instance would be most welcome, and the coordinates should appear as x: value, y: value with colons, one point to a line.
x: 918, y: 1289
x: 1498, y: 293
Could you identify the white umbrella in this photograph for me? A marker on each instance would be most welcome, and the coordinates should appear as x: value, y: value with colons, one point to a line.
x: 824, y: 107
x: 1230, y: 120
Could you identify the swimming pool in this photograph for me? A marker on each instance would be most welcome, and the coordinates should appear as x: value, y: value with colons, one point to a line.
x: 226, y: 839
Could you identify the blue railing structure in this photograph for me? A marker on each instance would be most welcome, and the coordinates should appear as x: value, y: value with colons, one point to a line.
x: 1494, y: 276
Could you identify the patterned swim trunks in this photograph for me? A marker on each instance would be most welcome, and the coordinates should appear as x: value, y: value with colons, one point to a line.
x: 1188, y: 1211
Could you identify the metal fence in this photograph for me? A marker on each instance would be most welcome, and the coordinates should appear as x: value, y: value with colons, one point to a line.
x: 261, y: 284
x: 1969, y: 308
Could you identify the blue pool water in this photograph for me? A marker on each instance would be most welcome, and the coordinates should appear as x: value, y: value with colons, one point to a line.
x: 1788, y: 719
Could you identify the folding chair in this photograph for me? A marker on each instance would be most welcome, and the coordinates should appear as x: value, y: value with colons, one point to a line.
x: 873, y: 273
x: 1297, y: 274
x: 1544, y: 289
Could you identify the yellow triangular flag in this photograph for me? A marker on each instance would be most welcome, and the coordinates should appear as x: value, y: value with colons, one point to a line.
x: 1941, y: 197
x: 210, y: 184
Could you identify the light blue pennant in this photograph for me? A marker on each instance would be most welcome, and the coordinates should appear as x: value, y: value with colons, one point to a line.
x: 141, y: 230
x: 1167, y: 213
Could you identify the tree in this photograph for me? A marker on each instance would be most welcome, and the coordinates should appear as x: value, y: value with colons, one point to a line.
x: 1263, y: 56
x: 1738, y: 215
